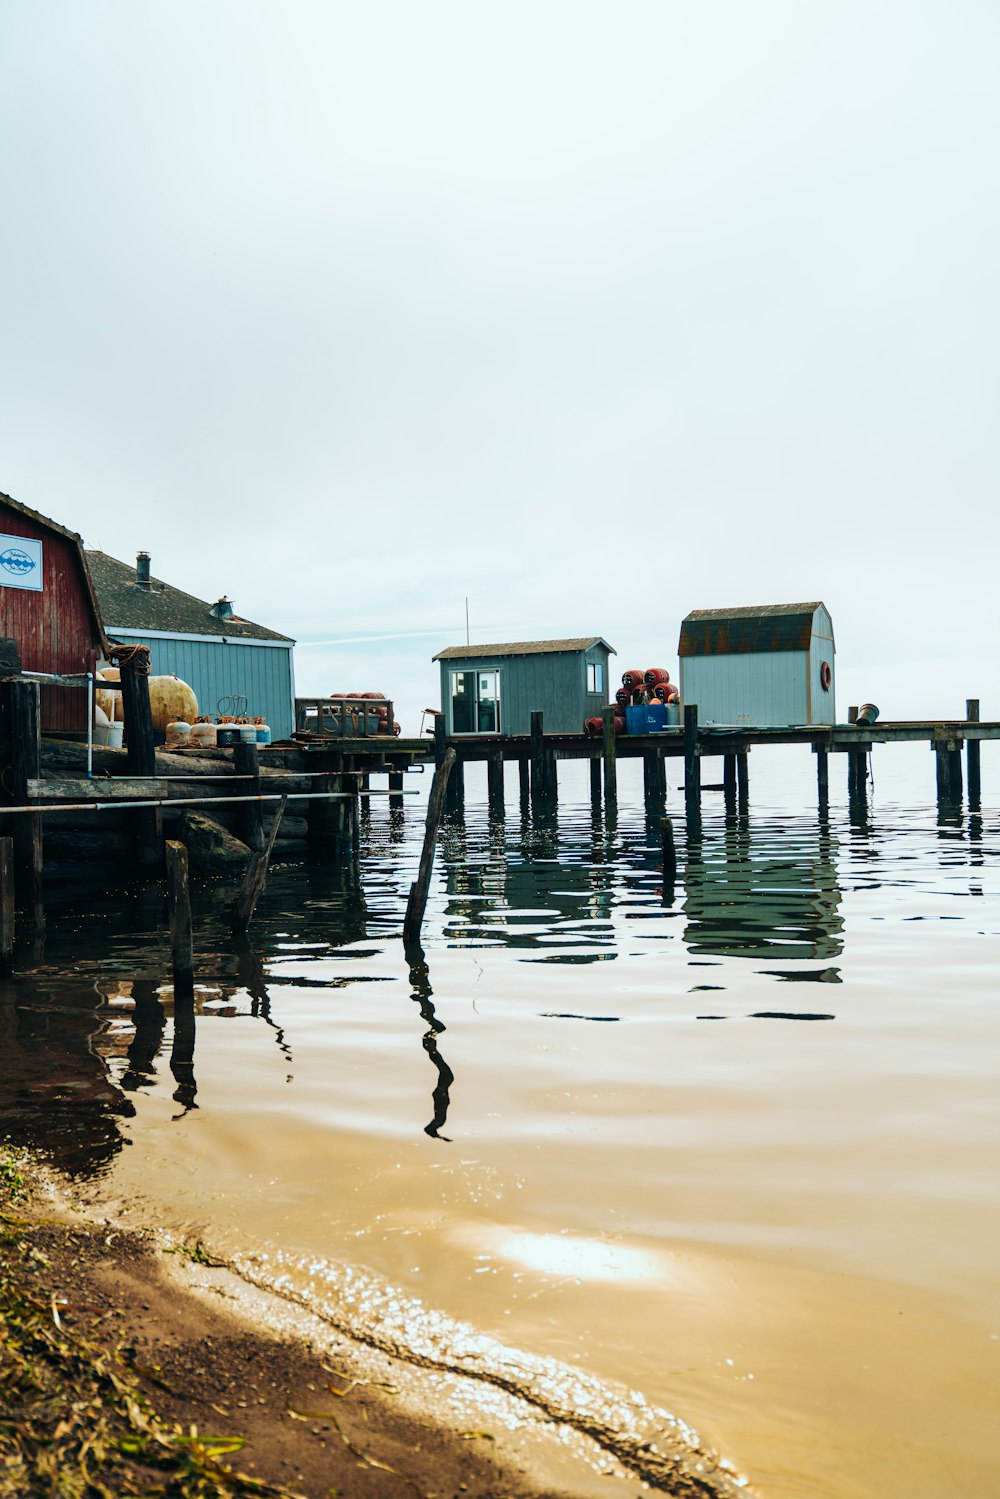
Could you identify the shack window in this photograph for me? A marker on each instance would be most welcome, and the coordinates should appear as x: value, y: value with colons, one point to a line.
x: 475, y: 702
x: 595, y: 676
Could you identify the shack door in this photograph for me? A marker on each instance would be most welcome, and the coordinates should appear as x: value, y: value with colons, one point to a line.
x: 475, y: 702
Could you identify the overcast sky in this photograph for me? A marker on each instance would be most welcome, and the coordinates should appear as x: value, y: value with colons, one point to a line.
x: 593, y: 313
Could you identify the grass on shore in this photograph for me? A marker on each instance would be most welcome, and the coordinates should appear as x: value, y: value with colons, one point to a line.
x: 75, y: 1420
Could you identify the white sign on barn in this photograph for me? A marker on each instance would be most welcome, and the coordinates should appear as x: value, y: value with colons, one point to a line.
x: 20, y: 563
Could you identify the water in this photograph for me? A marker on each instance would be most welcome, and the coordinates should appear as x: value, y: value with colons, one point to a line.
x: 735, y: 1151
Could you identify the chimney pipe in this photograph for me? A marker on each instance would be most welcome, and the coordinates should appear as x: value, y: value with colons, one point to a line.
x: 142, y: 569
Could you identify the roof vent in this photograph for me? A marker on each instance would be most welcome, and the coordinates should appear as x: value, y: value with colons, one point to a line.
x: 222, y: 608
x: 142, y: 569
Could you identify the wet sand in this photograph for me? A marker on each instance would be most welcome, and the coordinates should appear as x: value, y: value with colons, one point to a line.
x: 320, y: 1414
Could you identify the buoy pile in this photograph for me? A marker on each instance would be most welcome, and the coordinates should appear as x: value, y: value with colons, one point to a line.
x: 379, y: 707
x: 638, y: 688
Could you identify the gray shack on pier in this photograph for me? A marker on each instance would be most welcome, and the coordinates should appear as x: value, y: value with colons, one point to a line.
x: 494, y: 689
x: 763, y: 667
x: 224, y: 658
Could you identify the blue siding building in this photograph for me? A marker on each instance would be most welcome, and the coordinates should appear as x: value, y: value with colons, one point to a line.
x: 222, y: 657
x: 494, y: 689
x: 764, y: 667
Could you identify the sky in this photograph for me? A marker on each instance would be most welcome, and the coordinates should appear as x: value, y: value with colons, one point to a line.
x: 588, y: 314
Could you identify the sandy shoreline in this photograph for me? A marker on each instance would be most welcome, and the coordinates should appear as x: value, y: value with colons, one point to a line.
x: 317, y: 1413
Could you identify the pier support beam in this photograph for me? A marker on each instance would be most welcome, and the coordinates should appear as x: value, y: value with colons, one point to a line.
x: 455, y: 794
x: 179, y: 903
x: 822, y: 775
x: 395, y: 791
x: 972, y: 756
x: 25, y: 722
x: 743, y: 778
x: 692, y: 765
x: 141, y: 747
x: 654, y: 779
x: 494, y: 783
x: 948, y: 756
x: 6, y: 906
x: 729, y: 781
x: 595, y: 782
x: 609, y: 754
x: 246, y: 762
x: 524, y: 780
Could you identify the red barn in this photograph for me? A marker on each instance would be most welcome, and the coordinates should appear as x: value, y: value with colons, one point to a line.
x: 48, y: 607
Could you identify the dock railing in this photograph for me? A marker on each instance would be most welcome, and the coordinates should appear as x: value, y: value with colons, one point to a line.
x: 343, y: 717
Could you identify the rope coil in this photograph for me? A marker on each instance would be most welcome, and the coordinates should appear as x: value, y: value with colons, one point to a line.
x: 135, y: 658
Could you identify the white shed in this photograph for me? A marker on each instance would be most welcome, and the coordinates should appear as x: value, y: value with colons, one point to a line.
x: 764, y: 667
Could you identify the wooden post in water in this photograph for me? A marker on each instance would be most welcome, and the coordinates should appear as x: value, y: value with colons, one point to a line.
x: 537, y: 758
x: 417, y: 903
x: 440, y: 738
x: 692, y: 765
x: 246, y: 762
x: 595, y: 781
x: 494, y: 782
x: 743, y: 778
x: 395, y: 791
x: 669, y: 850
x: 25, y: 736
x: 524, y: 778
x: 972, y: 755
x: 609, y: 754
x: 729, y: 779
x: 179, y: 905
x: 822, y: 775
x: 6, y: 905
x: 141, y: 748
x: 455, y: 798
x: 653, y: 778
x: 253, y: 880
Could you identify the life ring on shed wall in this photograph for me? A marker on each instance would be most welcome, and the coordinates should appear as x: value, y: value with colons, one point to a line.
x: 826, y: 676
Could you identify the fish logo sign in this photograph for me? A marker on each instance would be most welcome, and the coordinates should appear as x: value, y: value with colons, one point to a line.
x: 13, y: 560
x: 21, y: 563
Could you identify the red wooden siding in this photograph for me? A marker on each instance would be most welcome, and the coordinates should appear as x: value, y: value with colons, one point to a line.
x: 55, y: 630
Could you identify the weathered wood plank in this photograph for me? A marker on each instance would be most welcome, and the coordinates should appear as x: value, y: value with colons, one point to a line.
x: 417, y: 903
x: 105, y: 789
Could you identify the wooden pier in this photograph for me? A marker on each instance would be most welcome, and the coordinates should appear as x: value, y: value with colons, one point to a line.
x: 538, y: 755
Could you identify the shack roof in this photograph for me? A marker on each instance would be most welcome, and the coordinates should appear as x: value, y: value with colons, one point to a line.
x: 128, y: 605
x: 748, y: 629
x: 76, y: 545
x: 523, y: 648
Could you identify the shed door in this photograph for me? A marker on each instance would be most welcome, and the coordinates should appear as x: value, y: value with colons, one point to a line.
x: 475, y: 702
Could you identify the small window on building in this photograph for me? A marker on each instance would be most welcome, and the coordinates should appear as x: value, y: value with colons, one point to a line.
x: 595, y: 676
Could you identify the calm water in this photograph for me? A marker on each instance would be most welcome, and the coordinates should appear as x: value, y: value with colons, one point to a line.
x: 736, y: 1149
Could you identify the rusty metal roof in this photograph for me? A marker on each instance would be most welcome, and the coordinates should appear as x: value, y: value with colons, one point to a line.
x: 748, y: 629
x: 524, y: 648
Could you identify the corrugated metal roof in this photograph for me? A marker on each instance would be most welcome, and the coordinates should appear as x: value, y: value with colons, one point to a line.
x: 159, y: 606
x: 523, y: 648
x: 755, y: 611
x: 745, y: 630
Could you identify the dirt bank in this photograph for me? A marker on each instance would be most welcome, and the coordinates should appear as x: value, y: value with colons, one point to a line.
x: 114, y: 1351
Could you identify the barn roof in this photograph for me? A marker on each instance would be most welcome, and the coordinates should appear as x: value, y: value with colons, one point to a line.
x: 76, y: 544
x: 159, y: 606
x: 751, y: 628
x: 523, y: 648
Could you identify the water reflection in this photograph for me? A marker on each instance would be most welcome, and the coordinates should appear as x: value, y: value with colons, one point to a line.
x: 768, y: 892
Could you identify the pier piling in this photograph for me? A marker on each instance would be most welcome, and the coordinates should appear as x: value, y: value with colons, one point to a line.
x: 610, y: 756
x: 253, y: 880
x: 494, y: 783
x: 417, y: 903
x: 6, y: 905
x: 179, y: 903
x: 246, y: 762
x: 692, y: 765
x: 972, y: 756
